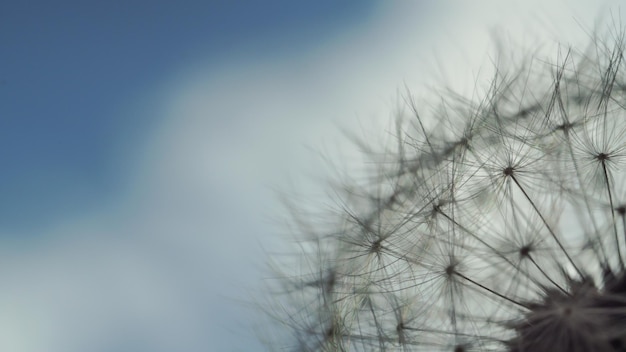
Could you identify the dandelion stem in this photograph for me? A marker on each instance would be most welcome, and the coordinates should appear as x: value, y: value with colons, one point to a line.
x: 608, y: 191
x: 546, y: 275
x: 494, y: 250
x: 585, y: 196
x: 490, y: 290
x: 547, y: 225
x: 623, y: 224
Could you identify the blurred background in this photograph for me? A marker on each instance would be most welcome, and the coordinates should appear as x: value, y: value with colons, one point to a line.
x: 142, y: 144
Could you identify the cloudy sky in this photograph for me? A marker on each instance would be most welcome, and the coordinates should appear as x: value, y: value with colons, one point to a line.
x: 142, y: 144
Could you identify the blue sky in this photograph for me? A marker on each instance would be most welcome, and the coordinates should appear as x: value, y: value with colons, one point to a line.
x: 89, y: 226
x: 141, y: 144
x: 72, y: 70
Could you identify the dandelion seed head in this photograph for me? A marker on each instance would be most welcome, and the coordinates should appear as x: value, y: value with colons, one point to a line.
x: 498, y: 224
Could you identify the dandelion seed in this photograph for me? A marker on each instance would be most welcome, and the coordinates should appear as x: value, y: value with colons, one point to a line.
x: 500, y: 227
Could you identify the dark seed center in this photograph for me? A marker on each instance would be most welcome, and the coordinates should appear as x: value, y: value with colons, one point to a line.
x: 602, y: 156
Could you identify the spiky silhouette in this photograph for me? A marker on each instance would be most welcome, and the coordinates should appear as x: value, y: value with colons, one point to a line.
x: 497, y: 224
